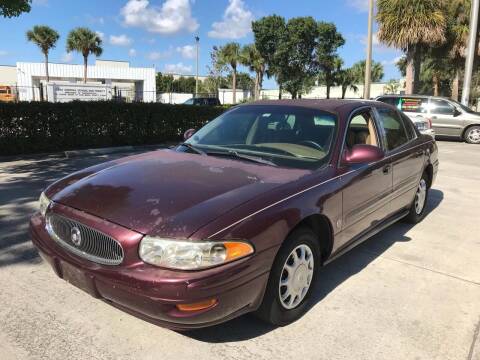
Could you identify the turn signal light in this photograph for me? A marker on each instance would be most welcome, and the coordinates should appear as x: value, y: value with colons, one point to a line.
x: 237, y: 250
x: 197, y: 306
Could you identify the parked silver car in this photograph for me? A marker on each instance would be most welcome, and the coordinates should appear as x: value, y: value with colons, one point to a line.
x: 447, y: 117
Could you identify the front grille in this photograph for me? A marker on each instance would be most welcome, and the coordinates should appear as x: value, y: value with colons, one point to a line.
x: 84, y: 241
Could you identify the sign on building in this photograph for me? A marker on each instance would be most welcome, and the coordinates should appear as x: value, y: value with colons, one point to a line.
x: 79, y: 92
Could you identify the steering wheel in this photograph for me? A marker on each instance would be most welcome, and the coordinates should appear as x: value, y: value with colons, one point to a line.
x: 311, y: 144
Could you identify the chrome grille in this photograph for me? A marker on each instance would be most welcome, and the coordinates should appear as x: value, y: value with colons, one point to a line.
x: 94, y: 245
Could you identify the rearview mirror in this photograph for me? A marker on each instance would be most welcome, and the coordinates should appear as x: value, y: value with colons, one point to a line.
x: 362, y: 154
x: 456, y: 112
x: 188, y: 134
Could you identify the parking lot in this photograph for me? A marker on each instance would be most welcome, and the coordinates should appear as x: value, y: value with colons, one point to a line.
x: 407, y: 293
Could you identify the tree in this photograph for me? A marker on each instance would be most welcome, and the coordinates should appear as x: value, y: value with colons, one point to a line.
x: 329, y: 40
x: 410, y: 25
x: 391, y: 87
x: 13, y: 8
x: 295, y: 55
x: 244, y: 81
x: 251, y: 57
x: 345, y: 78
x: 359, y: 71
x: 229, y: 55
x: 269, y: 32
x: 45, y: 38
x: 86, y: 42
x: 164, y: 83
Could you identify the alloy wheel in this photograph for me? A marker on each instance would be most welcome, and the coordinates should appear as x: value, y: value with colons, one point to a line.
x: 420, y: 196
x: 474, y: 136
x: 296, y: 276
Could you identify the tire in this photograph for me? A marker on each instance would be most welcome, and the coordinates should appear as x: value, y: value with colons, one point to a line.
x: 417, y: 209
x: 273, y: 309
x: 472, y: 135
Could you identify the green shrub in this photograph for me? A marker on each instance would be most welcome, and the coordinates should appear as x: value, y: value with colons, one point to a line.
x: 34, y: 127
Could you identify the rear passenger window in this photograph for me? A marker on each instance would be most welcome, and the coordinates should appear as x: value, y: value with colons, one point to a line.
x: 390, y: 101
x: 441, y: 107
x: 394, y: 129
x: 413, y: 105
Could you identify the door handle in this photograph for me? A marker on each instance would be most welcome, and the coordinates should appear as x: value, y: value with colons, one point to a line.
x: 386, y: 169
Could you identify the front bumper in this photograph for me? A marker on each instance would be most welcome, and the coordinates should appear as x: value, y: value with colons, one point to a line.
x: 151, y: 293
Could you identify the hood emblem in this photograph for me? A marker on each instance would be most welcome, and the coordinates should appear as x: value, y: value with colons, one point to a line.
x: 76, y: 236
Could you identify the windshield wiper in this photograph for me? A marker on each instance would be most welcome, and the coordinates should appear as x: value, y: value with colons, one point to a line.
x: 236, y: 154
x: 193, y: 148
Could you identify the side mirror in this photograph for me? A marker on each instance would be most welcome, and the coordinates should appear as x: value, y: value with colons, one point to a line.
x: 362, y: 154
x: 188, y: 134
x: 456, y: 112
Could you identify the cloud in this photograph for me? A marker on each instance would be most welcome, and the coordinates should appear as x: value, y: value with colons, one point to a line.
x: 360, y: 5
x: 392, y: 61
x: 67, y: 57
x: 3, y: 53
x: 187, y: 51
x: 96, y: 20
x: 120, y: 40
x: 171, y: 17
x: 236, y: 22
x: 178, y: 68
x: 132, y: 52
x: 100, y: 34
x: 157, y: 55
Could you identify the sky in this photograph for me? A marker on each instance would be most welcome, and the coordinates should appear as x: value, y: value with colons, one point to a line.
x: 160, y: 33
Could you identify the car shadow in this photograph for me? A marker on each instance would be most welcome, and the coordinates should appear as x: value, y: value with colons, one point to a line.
x: 331, y: 276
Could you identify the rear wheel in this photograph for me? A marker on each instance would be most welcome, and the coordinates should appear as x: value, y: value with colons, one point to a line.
x: 291, y: 279
x: 472, y: 135
x: 417, y: 210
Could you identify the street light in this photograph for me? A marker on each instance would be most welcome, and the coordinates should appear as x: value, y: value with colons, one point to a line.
x: 368, y: 62
x: 197, y: 41
x: 472, y: 39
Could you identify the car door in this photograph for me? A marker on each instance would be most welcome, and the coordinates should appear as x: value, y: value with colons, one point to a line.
x: 366, y: 194
x: 405, y: 153
x: 445, y: 119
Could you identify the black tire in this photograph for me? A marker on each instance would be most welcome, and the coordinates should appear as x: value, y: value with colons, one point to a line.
x: 415, y: 216
x: 271, y: 310
x: 472, y: 135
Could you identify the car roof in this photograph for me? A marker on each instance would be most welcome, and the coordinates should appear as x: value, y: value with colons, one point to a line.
x: 329, y: 105
x: 413, y: 96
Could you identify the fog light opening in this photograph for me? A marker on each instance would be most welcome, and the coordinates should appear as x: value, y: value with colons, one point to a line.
x: 202, y: 305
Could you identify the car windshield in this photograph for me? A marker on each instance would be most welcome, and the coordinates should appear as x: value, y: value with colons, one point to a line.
x: 279, y: 135
x: 463, y: 107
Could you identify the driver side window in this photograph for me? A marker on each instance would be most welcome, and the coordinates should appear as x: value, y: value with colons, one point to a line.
x: 361, y: 130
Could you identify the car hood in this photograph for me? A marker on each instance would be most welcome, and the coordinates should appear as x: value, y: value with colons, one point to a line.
x: 168, y: 193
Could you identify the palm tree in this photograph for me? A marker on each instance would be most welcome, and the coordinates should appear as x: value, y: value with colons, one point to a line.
x: 410, y: 25
x: 346, y: 79
x: 86, y: 42
x: 45, y: 38
x: 229, y: 55
x: 358, y: 70
x: 457, y: 35
x: 251, y: 58
x: 391, y: 87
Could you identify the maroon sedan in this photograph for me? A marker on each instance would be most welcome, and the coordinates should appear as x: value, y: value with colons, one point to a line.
x: 241, y: 216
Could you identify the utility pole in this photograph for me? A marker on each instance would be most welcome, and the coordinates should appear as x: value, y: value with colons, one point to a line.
x: 368, y: 62
x: 197, y: 41
x: 472, y: 40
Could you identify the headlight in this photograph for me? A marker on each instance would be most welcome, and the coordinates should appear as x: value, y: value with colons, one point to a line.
x: 43, y: 202
x: 191, y: 255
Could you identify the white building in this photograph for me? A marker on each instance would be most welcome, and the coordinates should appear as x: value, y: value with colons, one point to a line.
x: 105, y: 80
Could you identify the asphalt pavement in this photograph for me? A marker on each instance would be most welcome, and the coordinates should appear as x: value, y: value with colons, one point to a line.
x: 410, y: 292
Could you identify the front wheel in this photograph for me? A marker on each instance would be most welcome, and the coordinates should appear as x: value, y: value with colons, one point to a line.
x: 417, y: 209
x: 291, y: 279
x: 472, y: 135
